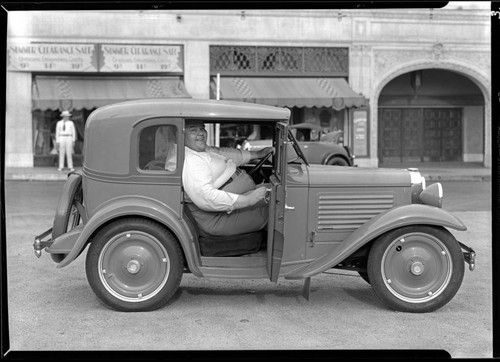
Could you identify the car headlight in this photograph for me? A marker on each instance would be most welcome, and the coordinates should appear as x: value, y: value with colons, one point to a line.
x: 432, y: 195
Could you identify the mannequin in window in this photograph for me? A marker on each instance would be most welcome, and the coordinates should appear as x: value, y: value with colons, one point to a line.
x: 65, y: 140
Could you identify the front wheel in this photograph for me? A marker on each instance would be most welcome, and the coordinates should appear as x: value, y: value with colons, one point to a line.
x: 416, y: 268
x: 134, y: 265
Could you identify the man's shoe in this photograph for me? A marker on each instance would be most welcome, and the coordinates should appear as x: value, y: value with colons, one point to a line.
x: 59, y: 169
x: 71, y: 169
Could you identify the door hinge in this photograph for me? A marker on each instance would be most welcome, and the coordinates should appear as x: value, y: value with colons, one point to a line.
x: 312, y: 237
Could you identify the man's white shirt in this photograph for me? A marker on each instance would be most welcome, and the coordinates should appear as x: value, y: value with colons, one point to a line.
x: 205, y: 172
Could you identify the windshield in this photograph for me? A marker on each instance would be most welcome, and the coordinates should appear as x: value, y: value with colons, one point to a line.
x: 294, y: 153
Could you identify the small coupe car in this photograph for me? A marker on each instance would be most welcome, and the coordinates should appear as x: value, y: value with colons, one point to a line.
x: 126, y: 209
x: 318, y: 148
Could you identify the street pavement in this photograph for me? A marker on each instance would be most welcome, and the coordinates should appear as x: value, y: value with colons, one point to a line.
x: 53, y: 309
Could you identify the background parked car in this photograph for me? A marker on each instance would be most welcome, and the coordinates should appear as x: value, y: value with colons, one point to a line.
x: 318, y: 148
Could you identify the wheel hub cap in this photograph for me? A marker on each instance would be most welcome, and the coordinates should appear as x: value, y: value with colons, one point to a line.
x: 133, y: 266
x: 417, y: 268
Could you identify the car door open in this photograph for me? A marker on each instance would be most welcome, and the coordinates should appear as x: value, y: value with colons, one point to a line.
x: 276, y: 238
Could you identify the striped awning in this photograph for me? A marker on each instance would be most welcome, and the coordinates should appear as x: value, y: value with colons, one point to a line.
x: 289, y: 92
x: 77, y: 93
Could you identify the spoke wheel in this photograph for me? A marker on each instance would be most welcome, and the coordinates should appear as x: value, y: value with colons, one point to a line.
x: 134, y: 265
x: 416, y: 269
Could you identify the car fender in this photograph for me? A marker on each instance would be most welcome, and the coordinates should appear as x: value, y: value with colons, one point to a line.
x: 336, y: 154
x: 414, y: 214
x: 136, y: 206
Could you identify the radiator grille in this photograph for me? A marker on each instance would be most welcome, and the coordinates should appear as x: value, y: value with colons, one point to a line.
x: 348, y: 212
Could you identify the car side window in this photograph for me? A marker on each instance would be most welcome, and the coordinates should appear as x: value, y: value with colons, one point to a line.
x: 158, y: 148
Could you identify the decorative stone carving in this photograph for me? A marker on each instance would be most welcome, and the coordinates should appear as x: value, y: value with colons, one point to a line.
x: 480, y: 59
x: 438, y: 50
x: 385, y: 61
x: 361, y: 27
x: 367, y: 51
x: 361, y: 51
x: 356, y: 51
x: 391, y: 58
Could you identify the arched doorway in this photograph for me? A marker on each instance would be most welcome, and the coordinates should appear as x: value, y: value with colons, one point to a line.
x: 431, y: 115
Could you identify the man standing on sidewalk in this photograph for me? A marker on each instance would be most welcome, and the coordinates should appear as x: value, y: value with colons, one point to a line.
x: 65, y: 140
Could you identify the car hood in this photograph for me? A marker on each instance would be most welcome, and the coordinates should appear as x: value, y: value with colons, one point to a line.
x: 321, y: 175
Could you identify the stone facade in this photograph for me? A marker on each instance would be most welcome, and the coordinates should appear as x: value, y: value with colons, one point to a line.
x: 383, y: 44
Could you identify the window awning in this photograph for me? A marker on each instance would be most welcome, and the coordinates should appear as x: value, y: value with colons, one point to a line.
x: 290, y: 92
x: 77, y: 93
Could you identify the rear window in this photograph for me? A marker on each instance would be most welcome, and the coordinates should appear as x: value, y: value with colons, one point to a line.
x: 158, y: 148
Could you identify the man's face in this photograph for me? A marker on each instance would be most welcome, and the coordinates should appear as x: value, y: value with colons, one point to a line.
x: 196, y: 136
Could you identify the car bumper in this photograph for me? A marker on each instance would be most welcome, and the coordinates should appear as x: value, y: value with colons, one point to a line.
x: 469, y: 256
x: 39, y: 244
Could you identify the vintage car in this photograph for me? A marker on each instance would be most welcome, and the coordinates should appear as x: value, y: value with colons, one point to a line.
x: 127, y: 206
x: 314, y: 145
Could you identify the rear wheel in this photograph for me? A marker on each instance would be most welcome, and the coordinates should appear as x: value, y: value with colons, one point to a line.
x: 416, y: 268
x: 134, y: 265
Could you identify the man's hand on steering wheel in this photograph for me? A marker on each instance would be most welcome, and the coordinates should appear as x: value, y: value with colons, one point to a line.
x: 261, y: 153
x: 268, y: 151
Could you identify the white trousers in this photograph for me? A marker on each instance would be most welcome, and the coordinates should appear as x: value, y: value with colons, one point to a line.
x: 66, y: 149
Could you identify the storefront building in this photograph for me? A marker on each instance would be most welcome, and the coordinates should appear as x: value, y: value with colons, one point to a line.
x: 404, y: 86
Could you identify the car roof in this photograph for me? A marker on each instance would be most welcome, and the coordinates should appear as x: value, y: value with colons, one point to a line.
x: 307, y: 125
x: 108, y: 129
x: 192, y: 108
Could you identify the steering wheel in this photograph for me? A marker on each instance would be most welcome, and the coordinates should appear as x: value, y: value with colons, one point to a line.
x: 259, y: 164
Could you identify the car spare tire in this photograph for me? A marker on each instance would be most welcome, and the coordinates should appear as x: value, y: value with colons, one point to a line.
x: 67, y: 214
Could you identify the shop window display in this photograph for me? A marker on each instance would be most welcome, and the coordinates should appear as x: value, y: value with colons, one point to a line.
x: 44, y: 128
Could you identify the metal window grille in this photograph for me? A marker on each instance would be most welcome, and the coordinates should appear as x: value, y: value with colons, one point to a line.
x: 279, y: 60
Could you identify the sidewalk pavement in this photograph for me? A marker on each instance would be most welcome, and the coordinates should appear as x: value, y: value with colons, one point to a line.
x: 448, y: 171
x: 431, y: 171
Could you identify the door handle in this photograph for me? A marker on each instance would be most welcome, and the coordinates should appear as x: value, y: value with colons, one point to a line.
x: 289, y: 207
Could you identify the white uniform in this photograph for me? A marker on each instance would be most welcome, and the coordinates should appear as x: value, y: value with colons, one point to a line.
x: 65, y: 137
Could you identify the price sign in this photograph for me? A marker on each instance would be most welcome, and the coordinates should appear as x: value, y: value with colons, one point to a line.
x: 141, y: 58
x: 52, y: 57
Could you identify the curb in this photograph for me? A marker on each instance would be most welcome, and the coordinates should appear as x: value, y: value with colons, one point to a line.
x: 35, y: 177
x: 437, y: 178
